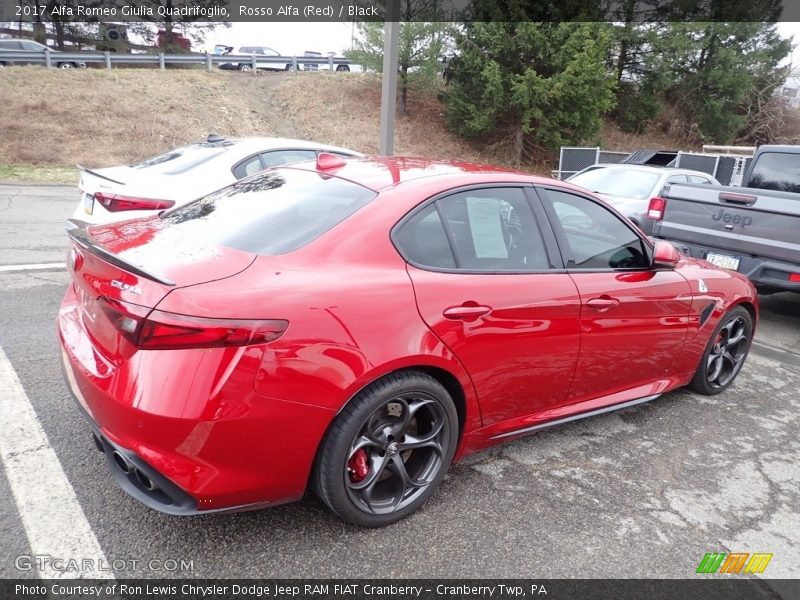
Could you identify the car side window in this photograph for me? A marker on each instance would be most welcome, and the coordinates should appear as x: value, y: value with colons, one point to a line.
x: 11, y: 45
x: 491, y: 230
x: 423, y: 240
x: 698, y: 179
x: 284, y: 157
x: 32, y: 46
x: 247, y: 167
x: 595, y: 236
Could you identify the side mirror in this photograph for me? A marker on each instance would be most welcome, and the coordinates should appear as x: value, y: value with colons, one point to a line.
x: 665, y: 256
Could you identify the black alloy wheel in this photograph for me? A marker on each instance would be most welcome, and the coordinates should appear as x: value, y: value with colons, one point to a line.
x: 388, y: 450
x: 725, y: 354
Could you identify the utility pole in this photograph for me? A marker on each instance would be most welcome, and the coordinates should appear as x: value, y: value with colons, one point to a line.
x: 391, y: 36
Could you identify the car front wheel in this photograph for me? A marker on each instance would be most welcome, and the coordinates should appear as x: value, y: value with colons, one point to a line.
x: 245, y: 68
x: 388, y: 450
x: 66, y: 65
x: 725, y: 354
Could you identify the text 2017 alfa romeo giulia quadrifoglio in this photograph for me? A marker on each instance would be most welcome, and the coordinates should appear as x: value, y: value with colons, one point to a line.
x: 352, y: 326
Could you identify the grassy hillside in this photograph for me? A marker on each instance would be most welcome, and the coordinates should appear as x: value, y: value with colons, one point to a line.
x: 52, y: 119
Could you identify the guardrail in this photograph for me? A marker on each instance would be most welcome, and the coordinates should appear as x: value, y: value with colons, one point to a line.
x: 254, y: 61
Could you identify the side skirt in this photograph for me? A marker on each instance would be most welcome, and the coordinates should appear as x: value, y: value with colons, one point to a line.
x: 576, y: 417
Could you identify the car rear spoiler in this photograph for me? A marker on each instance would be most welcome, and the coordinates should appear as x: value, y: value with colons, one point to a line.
x: 78, y: 231
x: 96, y: 174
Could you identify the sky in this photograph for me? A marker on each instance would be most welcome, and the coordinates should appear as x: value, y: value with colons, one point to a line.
x: 290, y: 39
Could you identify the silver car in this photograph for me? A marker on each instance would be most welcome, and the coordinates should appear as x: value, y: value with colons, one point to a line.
x: 629, y: 188
x: 11, y: 46
x: 185, y: 174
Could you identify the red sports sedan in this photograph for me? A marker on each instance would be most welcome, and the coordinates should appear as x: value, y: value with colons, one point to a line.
x: 354, y: 326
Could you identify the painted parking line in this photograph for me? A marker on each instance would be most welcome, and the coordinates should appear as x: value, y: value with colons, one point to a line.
x: 32, y: 267
x: 53, y: 519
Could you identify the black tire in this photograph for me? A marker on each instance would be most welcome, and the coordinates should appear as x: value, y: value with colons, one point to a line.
x: 725, y: 354
x: 67, y: 65
x: 2, y: 64
x: 289, y: 68
x: 398, y: 480
x: 342, y: 68
x: 244, y: 67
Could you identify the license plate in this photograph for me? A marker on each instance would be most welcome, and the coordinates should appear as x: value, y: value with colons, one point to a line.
x: 88, y: 203
x: 723, y: 260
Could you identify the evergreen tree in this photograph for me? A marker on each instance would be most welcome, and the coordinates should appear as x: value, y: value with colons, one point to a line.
x: 420, y: 53
x: 536, y: 86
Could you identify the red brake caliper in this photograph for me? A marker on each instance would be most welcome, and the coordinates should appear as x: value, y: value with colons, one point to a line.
x: 357, y: 466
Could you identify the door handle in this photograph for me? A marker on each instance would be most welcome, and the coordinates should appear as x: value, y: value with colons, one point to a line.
x: 604, y: 302
x: 466, y: 312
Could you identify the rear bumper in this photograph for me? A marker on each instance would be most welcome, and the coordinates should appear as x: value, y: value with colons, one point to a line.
x: 137, y: 478
x: 183, y: 448
x: 764, y: 273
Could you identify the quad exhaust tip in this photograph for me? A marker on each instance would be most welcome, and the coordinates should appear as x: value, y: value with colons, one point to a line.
x: 145, y: 480
x: 121, y: 461
x: 130, y: 469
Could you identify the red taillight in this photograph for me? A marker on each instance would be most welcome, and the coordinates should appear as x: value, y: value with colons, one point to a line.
x: 126, y: 318
x: 794, y: 277
x: 656, y: 209
x: 119, y: 203
x: 159, y: 330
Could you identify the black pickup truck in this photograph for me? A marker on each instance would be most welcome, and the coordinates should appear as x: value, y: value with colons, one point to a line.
x: 753, y: 229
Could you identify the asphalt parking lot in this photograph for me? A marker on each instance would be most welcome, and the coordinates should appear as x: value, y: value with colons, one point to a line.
x: 645, y: 492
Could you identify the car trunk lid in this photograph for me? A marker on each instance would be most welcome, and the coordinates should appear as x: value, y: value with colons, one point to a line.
x: 137, y: 263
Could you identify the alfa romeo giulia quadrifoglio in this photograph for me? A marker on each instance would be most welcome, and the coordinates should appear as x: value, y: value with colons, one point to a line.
x: 353, y: 326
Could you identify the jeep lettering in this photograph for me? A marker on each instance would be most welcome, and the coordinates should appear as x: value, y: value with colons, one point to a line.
x: 733, y: 219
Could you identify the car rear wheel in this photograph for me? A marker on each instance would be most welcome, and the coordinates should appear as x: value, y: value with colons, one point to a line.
x: 388, y: 450
x: 342, y: 68
x: 245, y: 68
x: 726, y: 352
x: 66, y: 65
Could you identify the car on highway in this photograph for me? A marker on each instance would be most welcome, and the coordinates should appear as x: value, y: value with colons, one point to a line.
x: 353, y: 326
x: 247, y: 65
x: 629, y: 188
x: 9, y: 47
x: 184, y: 174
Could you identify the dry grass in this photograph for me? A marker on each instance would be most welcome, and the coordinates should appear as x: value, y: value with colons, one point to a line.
x: 344, y: 109
x: 613, y: 138
x: 30, y: 174
x: 101, y: 118
x: 52, y: 118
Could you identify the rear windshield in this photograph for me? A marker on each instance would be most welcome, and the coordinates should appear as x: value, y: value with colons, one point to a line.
x: 776, y: 171
x: 181, y: 160
x: 273, y: 212
x: 629, y: 183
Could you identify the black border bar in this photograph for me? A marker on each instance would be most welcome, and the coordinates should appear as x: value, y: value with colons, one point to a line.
x: 726, y: 587
x: 410, y: 10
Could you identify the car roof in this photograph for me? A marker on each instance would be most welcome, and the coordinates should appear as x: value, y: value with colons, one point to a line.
x: 650, y: 168
x: 258, y: 143
x: 238, y: 148
x: 381, y: 172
